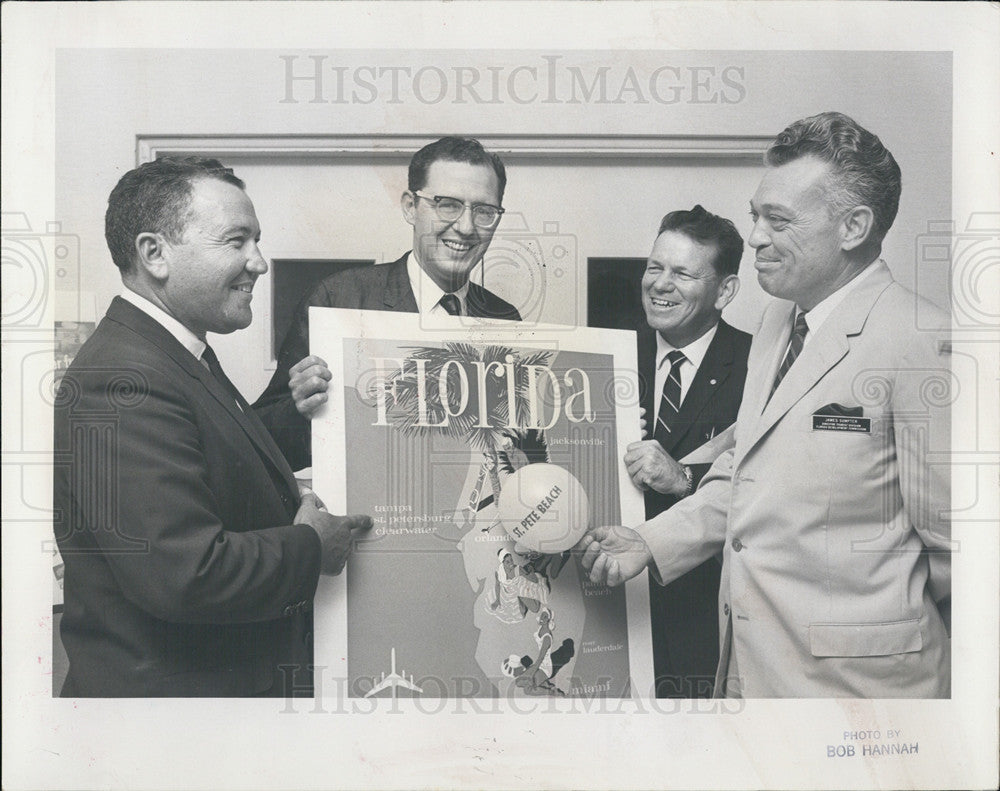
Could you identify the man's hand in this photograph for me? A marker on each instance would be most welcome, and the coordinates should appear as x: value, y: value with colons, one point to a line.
x: 613, y: 555
x: 650, y: 467
x: 335, y: 532
x: 307, y: 380
x: 305, y: 489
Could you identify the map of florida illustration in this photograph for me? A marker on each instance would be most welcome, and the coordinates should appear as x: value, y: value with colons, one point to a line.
x: 434, y: 433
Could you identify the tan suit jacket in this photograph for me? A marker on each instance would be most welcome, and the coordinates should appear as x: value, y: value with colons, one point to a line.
x: 832, y: 509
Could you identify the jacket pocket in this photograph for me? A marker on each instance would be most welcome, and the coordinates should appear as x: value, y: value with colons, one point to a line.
x: 865, y: 639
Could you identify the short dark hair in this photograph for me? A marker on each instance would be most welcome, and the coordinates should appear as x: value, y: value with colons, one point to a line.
x: 864, y: 172
x: 709, y: 229
x: 453, y: 149
x: 154, y: 198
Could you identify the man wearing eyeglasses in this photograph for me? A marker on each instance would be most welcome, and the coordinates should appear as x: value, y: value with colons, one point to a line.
x: 453, y: 201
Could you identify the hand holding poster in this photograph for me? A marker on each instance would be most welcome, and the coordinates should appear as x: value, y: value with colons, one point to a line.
x: 483, y: 455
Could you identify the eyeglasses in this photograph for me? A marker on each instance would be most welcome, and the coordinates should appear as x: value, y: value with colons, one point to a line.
x: 484, y: 215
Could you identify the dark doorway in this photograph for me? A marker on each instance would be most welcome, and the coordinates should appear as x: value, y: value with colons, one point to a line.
x: 614, y: 300
x: 293, y: 277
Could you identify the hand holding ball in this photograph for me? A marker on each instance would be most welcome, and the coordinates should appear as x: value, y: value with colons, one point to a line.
x: 544, y: 508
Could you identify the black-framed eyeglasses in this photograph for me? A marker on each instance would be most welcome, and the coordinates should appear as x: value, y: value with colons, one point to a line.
x: 484, y: 215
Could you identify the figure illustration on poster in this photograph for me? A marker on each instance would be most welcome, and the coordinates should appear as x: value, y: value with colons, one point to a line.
x: 515, y: 592
x: 536, y: 676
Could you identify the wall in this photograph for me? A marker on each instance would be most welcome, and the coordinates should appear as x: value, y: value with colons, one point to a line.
x: 339, y: 205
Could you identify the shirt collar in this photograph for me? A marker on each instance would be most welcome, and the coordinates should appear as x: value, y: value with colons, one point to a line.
x: 822, y: 311
x: 694, y: 351
x: 184, y: 336
x: 428, y: 293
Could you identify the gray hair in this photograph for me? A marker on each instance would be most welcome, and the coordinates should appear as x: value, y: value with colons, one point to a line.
x: 864, y: 171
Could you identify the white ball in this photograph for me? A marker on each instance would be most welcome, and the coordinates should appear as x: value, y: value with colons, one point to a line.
x: 544, y: 508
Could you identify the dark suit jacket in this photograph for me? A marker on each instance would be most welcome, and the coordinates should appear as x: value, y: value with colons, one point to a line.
x: 184, y: 575
x: 385, y: 287
x: 685, y: 613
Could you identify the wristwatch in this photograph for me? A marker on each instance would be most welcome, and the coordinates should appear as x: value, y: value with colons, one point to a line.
x: 689, y: 477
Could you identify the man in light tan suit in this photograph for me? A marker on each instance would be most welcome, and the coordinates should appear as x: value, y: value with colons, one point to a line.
x: 832, y: 508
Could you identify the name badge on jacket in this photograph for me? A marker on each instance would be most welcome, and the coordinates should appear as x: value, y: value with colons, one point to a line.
x: 836, y: 417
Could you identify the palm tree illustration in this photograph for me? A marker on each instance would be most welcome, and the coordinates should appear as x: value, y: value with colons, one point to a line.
x: 488, y: 434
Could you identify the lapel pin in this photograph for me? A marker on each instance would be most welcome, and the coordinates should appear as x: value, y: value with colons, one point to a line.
x: 711, y: 381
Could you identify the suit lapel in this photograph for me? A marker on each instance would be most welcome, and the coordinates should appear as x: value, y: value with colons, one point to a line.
x: 127, y: 314
x: 482, y: 304
x: 825, y: 350
x: 475, y: 302
x: 238, y: 408
x: 398, y: 294
x: 766, y: 353
x: 646, y: 343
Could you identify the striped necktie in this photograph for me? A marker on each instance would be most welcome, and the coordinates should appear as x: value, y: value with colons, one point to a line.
x: 670, y: 400
x: 795, y: 344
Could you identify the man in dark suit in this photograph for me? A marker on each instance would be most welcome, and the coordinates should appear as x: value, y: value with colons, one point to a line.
x: 692, y: 366
x: 190, y: 557
x: 453, y: 201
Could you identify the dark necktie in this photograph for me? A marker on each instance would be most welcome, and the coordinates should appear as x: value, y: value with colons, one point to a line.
x: 209, y: 357
x: 451, y: 304
x: 280, y: 473
x: 670, y: 400
x: 795, y: 344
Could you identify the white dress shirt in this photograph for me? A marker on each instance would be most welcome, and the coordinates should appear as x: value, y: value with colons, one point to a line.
x: 694, y: 352
x: 184, y: 336
x: 428, y: 293
x: 822, y: 311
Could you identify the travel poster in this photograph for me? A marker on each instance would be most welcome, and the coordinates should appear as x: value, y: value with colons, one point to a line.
x: 482, y: 451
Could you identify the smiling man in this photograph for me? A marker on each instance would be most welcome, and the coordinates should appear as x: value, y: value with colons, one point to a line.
x: 454, y: 203
x: 692, y: 366
x: 832, y: 510
x: 190, y: 557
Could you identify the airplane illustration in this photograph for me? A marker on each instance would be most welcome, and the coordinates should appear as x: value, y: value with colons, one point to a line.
x: 393, y: 680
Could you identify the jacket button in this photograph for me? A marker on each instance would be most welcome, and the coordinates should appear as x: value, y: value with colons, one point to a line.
x: 725, y: 610
x: 737, y: 545
x: 288, y: 610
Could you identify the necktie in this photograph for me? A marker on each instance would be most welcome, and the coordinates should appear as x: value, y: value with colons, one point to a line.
x: 259, y: 436
x: 209, y: 358
x: 670, y: 400
x: 451, y: 304
x: 794, y: 349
